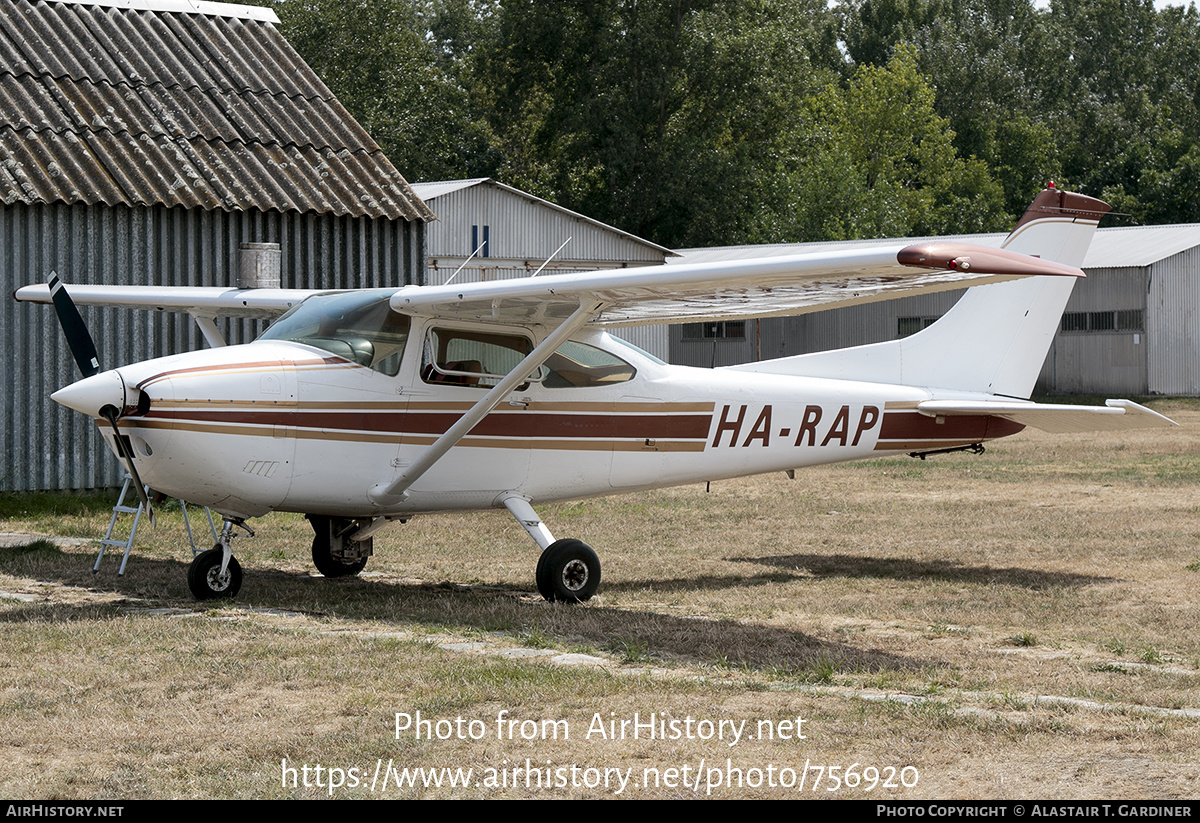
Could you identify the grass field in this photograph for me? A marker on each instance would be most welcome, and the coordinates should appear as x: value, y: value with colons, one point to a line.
x: 1020, y: 624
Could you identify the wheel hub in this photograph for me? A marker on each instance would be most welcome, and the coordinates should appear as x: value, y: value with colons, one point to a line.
x: 216, y: 581
x: 575, y: 575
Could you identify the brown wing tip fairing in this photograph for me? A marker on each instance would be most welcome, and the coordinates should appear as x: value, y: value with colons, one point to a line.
x: 966, y: 257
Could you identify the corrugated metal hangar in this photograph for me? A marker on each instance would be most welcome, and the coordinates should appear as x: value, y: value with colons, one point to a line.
x: 512, y: 233
x: 492, y: 231
x: 143, y: 142
x: 1132, y: 327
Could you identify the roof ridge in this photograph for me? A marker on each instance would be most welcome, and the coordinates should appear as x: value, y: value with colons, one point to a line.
x: 262, y: 14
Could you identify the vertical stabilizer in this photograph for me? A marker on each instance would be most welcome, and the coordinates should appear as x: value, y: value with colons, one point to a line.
x: 995, y: 338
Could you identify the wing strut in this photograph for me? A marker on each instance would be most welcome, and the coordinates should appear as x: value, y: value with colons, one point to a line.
x: 396, y: 491
x: 208, y: 327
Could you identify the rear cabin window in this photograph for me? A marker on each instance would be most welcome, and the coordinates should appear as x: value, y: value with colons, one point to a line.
x: 576, y: 365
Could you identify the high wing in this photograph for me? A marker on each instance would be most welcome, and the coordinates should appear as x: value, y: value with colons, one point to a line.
x: 201, y: 301
x: 762, y: 287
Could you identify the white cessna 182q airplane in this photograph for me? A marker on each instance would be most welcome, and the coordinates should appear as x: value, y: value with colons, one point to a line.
x: 358, y: 408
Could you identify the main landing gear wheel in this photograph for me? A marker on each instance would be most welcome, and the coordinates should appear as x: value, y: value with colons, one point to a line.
x: 324, y: 557
x: 205, y: 578
x: 568, y: 572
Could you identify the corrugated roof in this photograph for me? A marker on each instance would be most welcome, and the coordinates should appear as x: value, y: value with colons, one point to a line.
x: 428, y: 191
x: 178, y: 102
x: 1118, y: 247
x: 1140, y: 245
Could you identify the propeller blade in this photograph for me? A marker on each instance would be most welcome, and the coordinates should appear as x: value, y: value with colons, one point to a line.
x: 110, y: 414
x: 83, y: 348
x: 78, y: 338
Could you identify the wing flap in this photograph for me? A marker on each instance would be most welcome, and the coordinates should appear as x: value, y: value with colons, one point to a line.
x: 1115, y: 415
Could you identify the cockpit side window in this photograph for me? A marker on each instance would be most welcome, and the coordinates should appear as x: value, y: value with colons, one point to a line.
x: 471, y: 358
x: 480, y: 358
x: 357, y: 326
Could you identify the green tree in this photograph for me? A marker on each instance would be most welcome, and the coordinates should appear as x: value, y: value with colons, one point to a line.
x: 1132, y: 99
x: 994, y: 65
x: 879, y: 162
x: 409, y: 88
x: 872, y: 29
x: 1100, y: 95
x: 663, y: 117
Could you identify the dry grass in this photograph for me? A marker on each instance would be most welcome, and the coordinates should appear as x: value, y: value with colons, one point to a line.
x: 1020, y: 624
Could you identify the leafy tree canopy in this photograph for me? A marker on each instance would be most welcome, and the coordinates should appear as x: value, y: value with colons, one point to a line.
x: 700, y: 122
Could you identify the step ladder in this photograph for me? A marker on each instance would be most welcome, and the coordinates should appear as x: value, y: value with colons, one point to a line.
x: 121, y: 508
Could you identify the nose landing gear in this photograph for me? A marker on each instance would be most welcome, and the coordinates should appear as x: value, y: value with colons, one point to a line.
x: 216, y: 573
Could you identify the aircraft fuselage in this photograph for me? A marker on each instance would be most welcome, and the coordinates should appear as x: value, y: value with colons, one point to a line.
x: 279, y: 425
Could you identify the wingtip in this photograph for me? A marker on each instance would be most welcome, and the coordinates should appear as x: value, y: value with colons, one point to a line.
x: 968, y: 257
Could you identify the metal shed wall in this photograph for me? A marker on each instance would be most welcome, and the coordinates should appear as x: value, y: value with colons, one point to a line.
x: 817, y: 331
x: 49, y: 447
x: 652, y: 339
x: 1101, y: 362
x: 1173, y: 325
x: 1091, y: 362
x: 523, y: 232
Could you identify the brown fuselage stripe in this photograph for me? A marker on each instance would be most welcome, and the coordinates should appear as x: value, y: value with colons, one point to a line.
x: 470, y: 441
x: 517, y: 424
x: 401, y: 404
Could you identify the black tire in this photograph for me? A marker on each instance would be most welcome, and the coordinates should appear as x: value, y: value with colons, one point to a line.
x: 205, y: 578
x: 544, y: 587
x: 568, y: 572
x: 323, y: 559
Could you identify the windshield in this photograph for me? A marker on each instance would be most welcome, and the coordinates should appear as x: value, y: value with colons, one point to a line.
x: 358, y: 326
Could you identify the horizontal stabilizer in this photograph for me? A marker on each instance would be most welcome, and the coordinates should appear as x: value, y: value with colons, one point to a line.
x: 1115, y: 415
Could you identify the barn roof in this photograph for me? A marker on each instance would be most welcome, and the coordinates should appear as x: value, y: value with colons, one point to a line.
x: 178, y: 103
